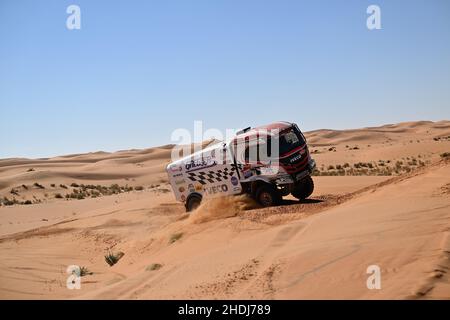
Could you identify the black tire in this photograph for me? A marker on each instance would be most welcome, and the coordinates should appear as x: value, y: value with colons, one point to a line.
x: 304, y: 188
x: 268, y: 196
x: 193, y: 202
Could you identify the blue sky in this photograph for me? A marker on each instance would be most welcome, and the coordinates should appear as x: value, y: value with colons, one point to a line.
x: 137, y: 70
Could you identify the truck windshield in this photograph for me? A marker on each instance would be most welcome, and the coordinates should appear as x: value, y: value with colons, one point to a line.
x: 290, y: 139
x: 261, y: 150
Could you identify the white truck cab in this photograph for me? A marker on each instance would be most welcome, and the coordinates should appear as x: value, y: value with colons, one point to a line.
x: 266, y: 162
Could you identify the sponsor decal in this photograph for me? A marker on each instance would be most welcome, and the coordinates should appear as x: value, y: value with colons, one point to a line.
x: 178, y: 182
x: 199, y: 164
x: 296, y: 158
x: 181, y: 189
x: 198, y: 187
x: 183, y: 198
x: 175, y: 168
x: 234, y: 181
x: 236, y: 189
x: 216, y: 189
x: 191, y: 188
x: 268, y: 170
x: 247, y: 174
x: 177, y: 175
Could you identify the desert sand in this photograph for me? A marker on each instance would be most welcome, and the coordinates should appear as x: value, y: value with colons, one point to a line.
x: 382, y: 198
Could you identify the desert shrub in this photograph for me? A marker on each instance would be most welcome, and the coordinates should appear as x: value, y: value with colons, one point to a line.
x: 10, y: 202
x: 37, y: 185
x: 53, y: 185
x: 175, y: 237
x: 31, y: 169
x: 139, y: 188
x: 75, y: 185
x: 85, y: 272
x: 95, y: 194
x: 63, y: 186
x: 114, y: 188
x: 27, y: 202
x: 154, y: 267
x: 73, y: 195
x: 112, y: 258
x: 59, y: 196
x: 445, y: 155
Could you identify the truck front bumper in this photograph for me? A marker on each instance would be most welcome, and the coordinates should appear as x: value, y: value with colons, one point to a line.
x: 307, y: 172
x: 288, y: 179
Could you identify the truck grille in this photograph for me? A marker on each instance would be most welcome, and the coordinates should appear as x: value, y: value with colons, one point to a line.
x: 296, y: 161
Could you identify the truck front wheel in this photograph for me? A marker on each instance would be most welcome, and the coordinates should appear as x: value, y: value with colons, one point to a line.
x: 304, y: 188
x: 268, y: 196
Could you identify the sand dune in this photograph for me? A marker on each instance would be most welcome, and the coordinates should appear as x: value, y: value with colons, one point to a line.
x: 229, y: 248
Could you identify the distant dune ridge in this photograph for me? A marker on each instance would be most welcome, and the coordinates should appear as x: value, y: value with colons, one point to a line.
x: 382, y: 198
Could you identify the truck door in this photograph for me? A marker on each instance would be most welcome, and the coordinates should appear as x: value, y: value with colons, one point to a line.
x: 250, y: 155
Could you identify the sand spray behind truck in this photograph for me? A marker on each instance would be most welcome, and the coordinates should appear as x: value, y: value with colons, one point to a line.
x: 222, y: 207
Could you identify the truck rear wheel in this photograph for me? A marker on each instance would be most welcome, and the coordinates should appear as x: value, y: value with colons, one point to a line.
x: 268, y: 196
x: 304, y: 188
x: 193, y: 202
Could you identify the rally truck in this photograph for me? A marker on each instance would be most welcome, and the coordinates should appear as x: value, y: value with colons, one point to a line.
x: 266, y: 162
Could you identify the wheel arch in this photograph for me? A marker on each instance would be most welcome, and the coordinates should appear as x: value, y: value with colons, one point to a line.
x: 192, y: 195
x: 256, y: 184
